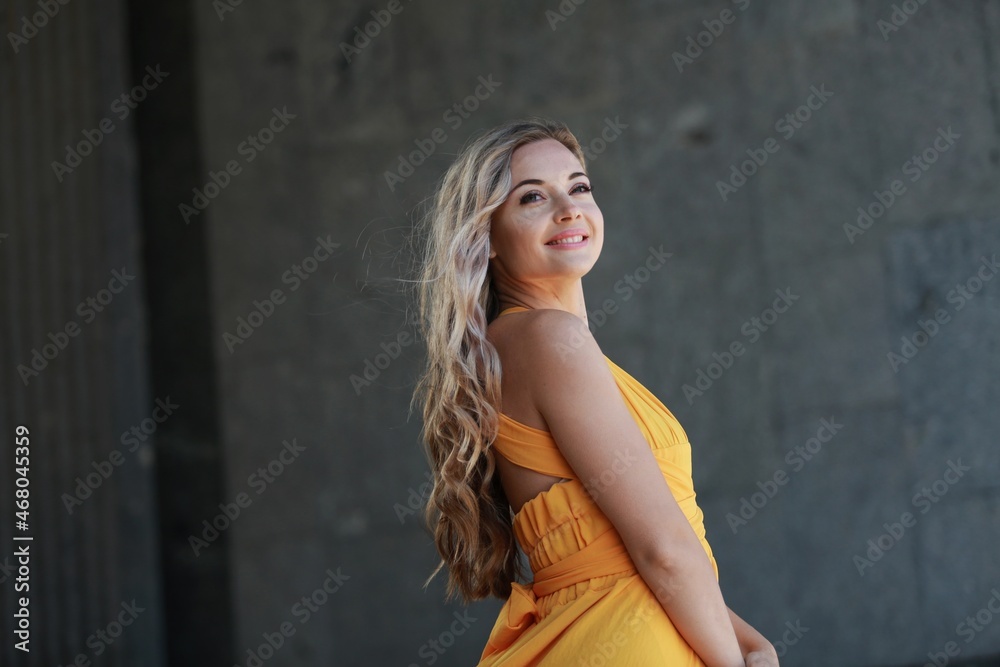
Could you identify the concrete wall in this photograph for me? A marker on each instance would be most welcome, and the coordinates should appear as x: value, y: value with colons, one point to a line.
x: 273, y: 244
x: 73, y: 370
x: 877, y: 100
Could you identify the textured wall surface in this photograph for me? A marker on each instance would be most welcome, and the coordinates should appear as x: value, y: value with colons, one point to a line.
x: 72, y: 336
x: 871, y: 91
x: 826, y: 177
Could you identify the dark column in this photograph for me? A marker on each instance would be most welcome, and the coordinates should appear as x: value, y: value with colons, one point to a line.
x: 196, y: 588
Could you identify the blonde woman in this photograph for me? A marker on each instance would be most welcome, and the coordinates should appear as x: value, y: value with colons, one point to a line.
x: 538, y: 440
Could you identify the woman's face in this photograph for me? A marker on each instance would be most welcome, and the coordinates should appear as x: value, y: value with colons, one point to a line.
x: 551, y: 196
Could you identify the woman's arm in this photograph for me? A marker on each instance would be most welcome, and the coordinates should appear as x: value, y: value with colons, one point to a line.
x: 569, y: 380
x: 687, y: 589
x: 753, y: 645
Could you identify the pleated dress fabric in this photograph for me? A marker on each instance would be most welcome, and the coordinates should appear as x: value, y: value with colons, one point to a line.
x: 587, y: 604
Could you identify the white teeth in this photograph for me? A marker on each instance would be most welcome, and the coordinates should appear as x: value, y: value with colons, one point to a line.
x: 568, y: 239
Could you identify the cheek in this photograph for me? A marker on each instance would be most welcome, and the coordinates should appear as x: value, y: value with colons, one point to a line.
x: 597, y: 222
x: 519, y: 230
x: 503, y: 238
x: 509, y: 243
x: 521, y: 251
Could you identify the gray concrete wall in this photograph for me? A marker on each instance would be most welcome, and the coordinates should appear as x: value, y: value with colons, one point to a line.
x: 885, y: 96
x: 282, y: 183
x: 73, y: 370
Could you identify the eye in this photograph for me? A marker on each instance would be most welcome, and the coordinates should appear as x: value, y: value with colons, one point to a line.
x: 525, y: 197
x: 579, y: 188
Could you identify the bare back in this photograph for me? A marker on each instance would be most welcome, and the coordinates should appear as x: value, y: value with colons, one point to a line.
x: 520, y: 484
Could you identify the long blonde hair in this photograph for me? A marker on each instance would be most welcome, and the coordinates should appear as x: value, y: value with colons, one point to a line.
x: 467, y: 511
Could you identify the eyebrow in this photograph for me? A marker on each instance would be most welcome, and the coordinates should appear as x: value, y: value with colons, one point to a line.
x: 535, y: 181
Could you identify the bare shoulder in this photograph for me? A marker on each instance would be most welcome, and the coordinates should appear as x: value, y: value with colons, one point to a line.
x: 537, y: 330
x: 575, y: 391
x: 528, y: 341
x: 560, y: 350
x: 525, y: 342
x: 557, y: 341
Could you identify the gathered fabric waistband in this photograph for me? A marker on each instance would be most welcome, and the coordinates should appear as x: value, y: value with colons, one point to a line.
x: 606, y: 555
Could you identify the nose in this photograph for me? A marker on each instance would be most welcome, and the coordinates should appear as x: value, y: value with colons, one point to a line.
x: 567, y: 209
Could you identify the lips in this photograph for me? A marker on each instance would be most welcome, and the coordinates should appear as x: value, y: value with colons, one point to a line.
x: 569, y: 233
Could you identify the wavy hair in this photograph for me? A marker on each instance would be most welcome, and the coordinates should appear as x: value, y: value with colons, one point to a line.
x: 467, y: 511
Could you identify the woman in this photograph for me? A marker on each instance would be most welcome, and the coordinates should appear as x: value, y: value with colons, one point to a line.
x: 579, y: 465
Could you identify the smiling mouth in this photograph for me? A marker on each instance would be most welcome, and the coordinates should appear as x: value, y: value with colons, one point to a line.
x: 568, y: 240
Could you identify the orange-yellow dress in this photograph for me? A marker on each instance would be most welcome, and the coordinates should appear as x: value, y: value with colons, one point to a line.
x: 587, y: 604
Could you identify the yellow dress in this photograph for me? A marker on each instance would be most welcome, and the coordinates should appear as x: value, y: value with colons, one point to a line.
x: 587, y: 604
